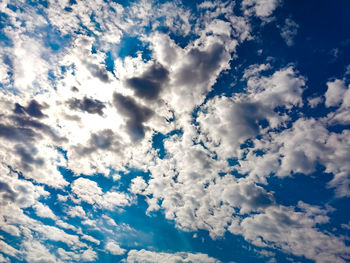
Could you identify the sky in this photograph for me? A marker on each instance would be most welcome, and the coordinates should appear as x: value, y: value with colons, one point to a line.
x: 174, y: 131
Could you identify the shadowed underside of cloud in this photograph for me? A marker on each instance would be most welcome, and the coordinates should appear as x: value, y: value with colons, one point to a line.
x: 134, y: 113
x: 86, y: 104
x: 150, y: 83
x: 33, y: 109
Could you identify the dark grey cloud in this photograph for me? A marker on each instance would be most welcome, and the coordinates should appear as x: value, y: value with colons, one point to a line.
x: 135, y: 114
x: 27, y: 157
x: 89, y: 105
x: 8, y: 193
x: 249, y: 114
x: 16, y: 133
x: 27, y: 122
x: 33, y: 109
x: 257, y: 197
x: 105, y: 140
x: 102, y: 140
x: 150, y: 83
x: 201, y: 64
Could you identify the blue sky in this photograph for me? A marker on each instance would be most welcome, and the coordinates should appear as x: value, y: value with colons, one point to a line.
x: 174, y: 131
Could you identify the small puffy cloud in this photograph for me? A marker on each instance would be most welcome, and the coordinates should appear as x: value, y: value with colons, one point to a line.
x: 88, y: 255
x: 335, y: 92
x: 43, y: 211
x: 288, y: 31
x: 261, y: 8
x: 138, y: 184
x: 114, y: 248
x: 338, y: 95
x: 76, y: 211
x: 86, y: 190
x: 313, y: 102
x: 89, y: 105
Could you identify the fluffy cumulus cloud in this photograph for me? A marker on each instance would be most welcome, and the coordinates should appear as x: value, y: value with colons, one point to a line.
x: 114, y: 248
x: 115, y: 116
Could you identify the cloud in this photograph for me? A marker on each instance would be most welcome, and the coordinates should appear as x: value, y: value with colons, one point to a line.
x: 149, y: 84
x: 104, y: 120
x: 335, y: 92
x: 89, y: 192
x: 244, y: 116
x: 7, y: 193
x: 33, y: 233
x: 87, y: 255
x: 113, y: 248
x: 143, y: 256
x: 288, y: 31
x: 278, y: 224
x: 87, y: 104
x: 282, y: 88
x: 8, y: 250
x: 44, y: 211
x: 33, y: 109
x: 200, y: 65
x: 135, y: 114
x: 16, y: 134
x: 76, y: 211
x: 138, y: 185
x: 338, y: 95
x: 235, y: 122
x: 38, y: 253
x: 261, y: 8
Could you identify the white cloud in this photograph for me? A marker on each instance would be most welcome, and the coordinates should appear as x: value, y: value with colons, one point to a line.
x: 241, y: 117
x: 193, y: 184
x: 114, y: 248
x: 38, y: 253
x: 76, y: 211
x: 144, y: 256
x: 278, y: 224
x: 315, y: 101
x: 261, y: 8
x: 335, y: 92
x: 44, y: 211
x: 87, y: 255
x: 90, y: 239
x: 8, y: 250
x: 288, y: 31
x: 283, y: 88
x: 89, y: 191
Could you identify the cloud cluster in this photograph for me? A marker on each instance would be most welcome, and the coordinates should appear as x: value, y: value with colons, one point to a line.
x: 67, y: 115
